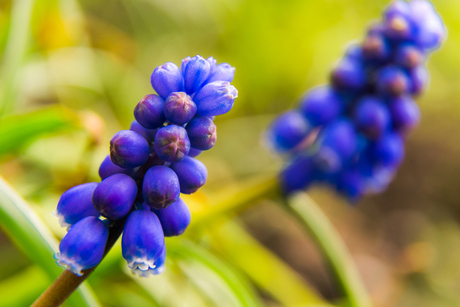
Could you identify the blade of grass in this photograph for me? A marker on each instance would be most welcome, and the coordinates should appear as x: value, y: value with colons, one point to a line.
x: 332, y: 247
x: 25, y: 229
x: 15, y: 50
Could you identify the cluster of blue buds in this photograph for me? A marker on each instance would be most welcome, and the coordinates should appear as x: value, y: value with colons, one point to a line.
x: 147, y: 169
x: 350, y: 134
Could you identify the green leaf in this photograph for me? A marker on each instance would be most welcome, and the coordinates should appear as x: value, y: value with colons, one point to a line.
x: 331, y: 246
x: 25, y: 229
x: 17, y: 131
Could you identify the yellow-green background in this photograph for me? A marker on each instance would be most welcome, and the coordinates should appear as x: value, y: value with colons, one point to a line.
x: 85, y: 64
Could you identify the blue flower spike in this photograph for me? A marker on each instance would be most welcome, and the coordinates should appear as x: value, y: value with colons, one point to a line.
x: 83, y: 246
x: 359, y: 122
x: 76, y: 204
x: 148, y: 167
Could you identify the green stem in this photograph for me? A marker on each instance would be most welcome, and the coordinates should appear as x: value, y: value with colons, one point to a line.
x: 331, y: 245
x: 15, y: 50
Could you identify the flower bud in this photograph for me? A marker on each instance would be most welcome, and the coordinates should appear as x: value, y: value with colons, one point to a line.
x: 107, y: 169
x: 148, y: 134
x: 221, y: 72
x: 192, y: 174
x: 392, y: 81
x: 408, y: 56
x: 174, y: 219
x: 349, y: 75
x: 430, y: 30
x: 142, y: 242
x: 388, y: 150
x: 372, y: 117
x: 83, y: 246
x: 149, y: 112
x: 160, y: 187
x: 171, y: 143
x: 201, y: 131
x: 114, y: 196
x: 129, y: 149
x: 398, y: 27
x: 194, y: 152
x: 76, y: 204
x: 166, y: 79
x: 321, y: 105
x: 298, y: 175
x: 196, y: 72
x: 405, y: 114
x: 376, y: 48
x: 419, y: 77
x: 215, y: 98
x: 179, y: 108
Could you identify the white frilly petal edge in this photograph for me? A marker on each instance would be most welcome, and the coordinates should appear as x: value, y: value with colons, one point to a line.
x: 61, y: 220
x: 144, y: 267
x: 69, y: 264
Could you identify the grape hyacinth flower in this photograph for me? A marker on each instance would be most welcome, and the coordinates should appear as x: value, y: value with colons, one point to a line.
x: 148, y: 167
x: 359, y: 122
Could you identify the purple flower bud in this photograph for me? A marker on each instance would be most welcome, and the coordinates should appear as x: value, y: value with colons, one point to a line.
x: 107, y: 169
x: 202, y: 133
x: 171, y: 143
x: 212, y: 65
x: 179, y: 108
x: 287, y: 131
x: 76, y: 204
x: 159, y: 263
x: 148, y: 134
x: 398, y: 27
x: 349, y: 75
x: 321, y: 105
x: 215, y: 98
x: 129, y: 149
x: 196, y: 72
x: 388, y: 150
x: 222, y: 72
x: 160, y: 187
x: 149, y: 112
x: 397, y: 8
x: 114, y: 196
x: 194, y: 152
x: 392, y: 81
x: 174, y: 219
x: 405, y: 114
x: 83, y: 246
x: 419, y: 78
x: 430, y: 30
x: 192, y: 174
x: 166, y: 79
x: 351, y: 183
x: 376, y: 48
x: 372, y: 117
x: 408, y: 56
x: 153, y: 160
x: 142, y: 242
x: 298, y: 175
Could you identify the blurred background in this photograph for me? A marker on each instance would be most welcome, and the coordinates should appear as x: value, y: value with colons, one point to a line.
x: 72, y: 72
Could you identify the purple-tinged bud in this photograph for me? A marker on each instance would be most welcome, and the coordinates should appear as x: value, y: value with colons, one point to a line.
x: 215, y: 98
x: 372, y: 117
x: 194, y: 152
x: 179, y: 108
x: 392, y: 81
x: 184, y: 64
x: 405, y: 114
x: 142, y: 242
x: 174, y: 219
x: 83, y: 246
x: 148, y: 134
x: 196, y: 72
x: 107, y: 169
x: 376, y: 48
x: 388, y: 150
x: 129, y: 149
x: 398, y: 27
x: 351, y: 183
x: 153, y: 160
x: 149, y: 111
x: 298, y: 175
x: 430, y: 30
x: 160, y: 187
x: 160, y: 263
x: 222, y: 72
x: 114, y: 196
x: 354, y: 52
x: 76, y: 204
x: 166, y: 79
x: 192, y: 174
x: 212, y: 66
x: 397, y: 8
x: 419, y: 78
x: 202, y: 133
x: 287, y: 131
x: 349, y: 75
x: 171, y: 143
x: 321, y: 105
x: 408, y: 56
